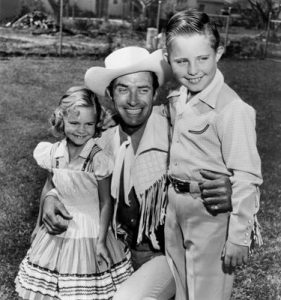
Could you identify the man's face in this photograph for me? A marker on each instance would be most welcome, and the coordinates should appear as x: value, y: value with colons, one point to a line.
x: 133, y: 98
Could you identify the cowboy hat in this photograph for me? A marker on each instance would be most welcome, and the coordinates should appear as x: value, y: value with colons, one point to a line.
x: 126, y: 61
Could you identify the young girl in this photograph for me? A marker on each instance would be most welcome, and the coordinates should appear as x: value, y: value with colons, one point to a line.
x: 213, y: 129
x: 86, y: 261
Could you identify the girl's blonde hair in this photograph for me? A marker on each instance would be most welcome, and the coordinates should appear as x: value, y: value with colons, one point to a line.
x: 77, y: 96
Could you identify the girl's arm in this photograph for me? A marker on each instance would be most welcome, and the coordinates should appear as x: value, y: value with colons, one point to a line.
x: 47, y: 187
x: 106, y: 210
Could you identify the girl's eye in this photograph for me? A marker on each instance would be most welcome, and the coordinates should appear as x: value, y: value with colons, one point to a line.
x: 181, y: 62
x: 91, y: 124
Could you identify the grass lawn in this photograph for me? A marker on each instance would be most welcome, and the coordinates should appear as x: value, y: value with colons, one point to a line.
x: 30, y: 89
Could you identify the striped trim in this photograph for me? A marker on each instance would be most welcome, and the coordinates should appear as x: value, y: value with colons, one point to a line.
x: 33, y: 279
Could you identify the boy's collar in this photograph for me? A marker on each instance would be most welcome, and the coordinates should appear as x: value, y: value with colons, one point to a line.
x: 208, y: 95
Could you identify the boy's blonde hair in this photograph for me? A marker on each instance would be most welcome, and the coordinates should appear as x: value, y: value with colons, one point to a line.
x: 77, y: 96
x: 191, y: 21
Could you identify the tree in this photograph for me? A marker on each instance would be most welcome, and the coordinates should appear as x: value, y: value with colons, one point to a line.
x: 55, y: 5
x: 102, y: 9
x: 263, y: 8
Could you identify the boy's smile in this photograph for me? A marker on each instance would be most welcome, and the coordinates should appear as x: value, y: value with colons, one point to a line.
x: 193, y: 60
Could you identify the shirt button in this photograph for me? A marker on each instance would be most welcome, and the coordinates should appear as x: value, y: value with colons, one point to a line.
x: 245, y: 242
x: 249, y: 221
x: 247, y: 234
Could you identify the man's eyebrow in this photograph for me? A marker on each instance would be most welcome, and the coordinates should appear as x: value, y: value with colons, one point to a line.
x: 121, y: 84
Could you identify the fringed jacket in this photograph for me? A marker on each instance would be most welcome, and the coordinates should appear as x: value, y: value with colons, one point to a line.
x: 149, y: 173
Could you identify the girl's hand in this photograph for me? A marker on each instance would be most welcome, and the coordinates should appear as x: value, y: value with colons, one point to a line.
x: 103, y: 254
x: 234, y: 255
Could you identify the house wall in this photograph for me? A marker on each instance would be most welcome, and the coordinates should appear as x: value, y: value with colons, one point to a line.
x: 211, y: 6
x: 9, y: 9
x: 115, y: 7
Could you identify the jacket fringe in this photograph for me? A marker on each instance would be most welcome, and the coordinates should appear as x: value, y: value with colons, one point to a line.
x: 256, y: 234
x: 153, y: 203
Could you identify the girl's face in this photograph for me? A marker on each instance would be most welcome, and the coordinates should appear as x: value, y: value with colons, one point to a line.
x: 193, y: 61
x: 80, y: 125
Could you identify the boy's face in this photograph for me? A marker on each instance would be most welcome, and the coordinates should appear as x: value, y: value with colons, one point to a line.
x: 193, y: 61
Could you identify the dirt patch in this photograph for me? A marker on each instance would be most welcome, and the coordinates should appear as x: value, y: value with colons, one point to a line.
x: 15, y: 42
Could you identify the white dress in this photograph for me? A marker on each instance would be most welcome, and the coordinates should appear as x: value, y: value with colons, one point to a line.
x: 65, y: 266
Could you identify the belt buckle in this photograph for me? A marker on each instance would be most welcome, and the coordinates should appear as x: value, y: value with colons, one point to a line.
x: 176, y: 187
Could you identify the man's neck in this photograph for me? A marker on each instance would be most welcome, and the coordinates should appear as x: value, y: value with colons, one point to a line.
x: 135, y: 134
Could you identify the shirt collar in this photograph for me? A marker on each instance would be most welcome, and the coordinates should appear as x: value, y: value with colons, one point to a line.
x: 208, y: 95
x: 62, y: 150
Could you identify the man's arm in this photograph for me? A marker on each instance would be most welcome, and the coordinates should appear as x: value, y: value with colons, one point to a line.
x: 216, y: 192
x: 52, y: 212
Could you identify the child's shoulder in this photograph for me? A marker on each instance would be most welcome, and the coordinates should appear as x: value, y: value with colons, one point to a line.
x: 228, y: 99
x: 105, y: 142
x: 44, y: 152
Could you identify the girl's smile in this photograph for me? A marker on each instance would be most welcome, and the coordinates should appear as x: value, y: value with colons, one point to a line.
x: 80, y: 125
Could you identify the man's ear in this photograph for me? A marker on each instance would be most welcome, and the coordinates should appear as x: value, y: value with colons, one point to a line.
x: 166, y: 57
x: 108, y: 94
x: 155, y: 96
x: 219, y: 53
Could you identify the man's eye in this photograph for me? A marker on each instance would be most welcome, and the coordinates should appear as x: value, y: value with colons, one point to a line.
x: 122, y: 90
x: 144, y: 91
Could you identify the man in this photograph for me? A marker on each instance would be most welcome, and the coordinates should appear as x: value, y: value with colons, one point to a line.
x: 140, y: 145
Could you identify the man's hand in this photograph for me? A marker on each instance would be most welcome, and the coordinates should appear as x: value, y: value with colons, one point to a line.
x: 216, y: 192
x: 234, y: 256
x: 55, y: 216
x: 103, y: 254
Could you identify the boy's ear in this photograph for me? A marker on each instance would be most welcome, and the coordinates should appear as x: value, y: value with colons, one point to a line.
x: 166, y: 57
x: 219, y: 53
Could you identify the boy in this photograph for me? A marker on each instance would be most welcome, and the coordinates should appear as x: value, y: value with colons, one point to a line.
x: 212, y: 129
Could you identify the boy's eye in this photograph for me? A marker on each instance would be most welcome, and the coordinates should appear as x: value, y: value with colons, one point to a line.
x: 202, y: 58
x: 90, y: 124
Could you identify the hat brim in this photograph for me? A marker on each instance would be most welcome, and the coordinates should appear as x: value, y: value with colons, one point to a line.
x: 98, y: 79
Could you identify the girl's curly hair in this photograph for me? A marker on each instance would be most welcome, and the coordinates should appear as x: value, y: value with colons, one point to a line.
x: 77, y: 96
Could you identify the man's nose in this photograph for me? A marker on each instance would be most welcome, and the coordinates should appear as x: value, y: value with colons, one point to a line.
x: 133, y: 98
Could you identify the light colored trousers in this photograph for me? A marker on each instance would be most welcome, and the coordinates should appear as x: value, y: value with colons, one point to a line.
x: 152, y: 281
x: 194, y: 242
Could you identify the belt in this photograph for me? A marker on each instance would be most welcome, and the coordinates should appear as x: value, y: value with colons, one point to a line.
x: 180, y: 186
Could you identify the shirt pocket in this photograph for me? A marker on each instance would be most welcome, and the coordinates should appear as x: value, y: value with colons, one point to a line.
x: 200, y: 129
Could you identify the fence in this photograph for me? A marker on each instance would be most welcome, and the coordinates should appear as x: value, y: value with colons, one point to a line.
x: 273, y: 40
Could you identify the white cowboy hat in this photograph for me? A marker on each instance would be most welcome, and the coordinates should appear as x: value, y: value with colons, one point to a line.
x: 126, y: 61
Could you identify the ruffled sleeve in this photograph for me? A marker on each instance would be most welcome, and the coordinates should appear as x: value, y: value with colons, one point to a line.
x: 43, y: 155
x: 102, y: 165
